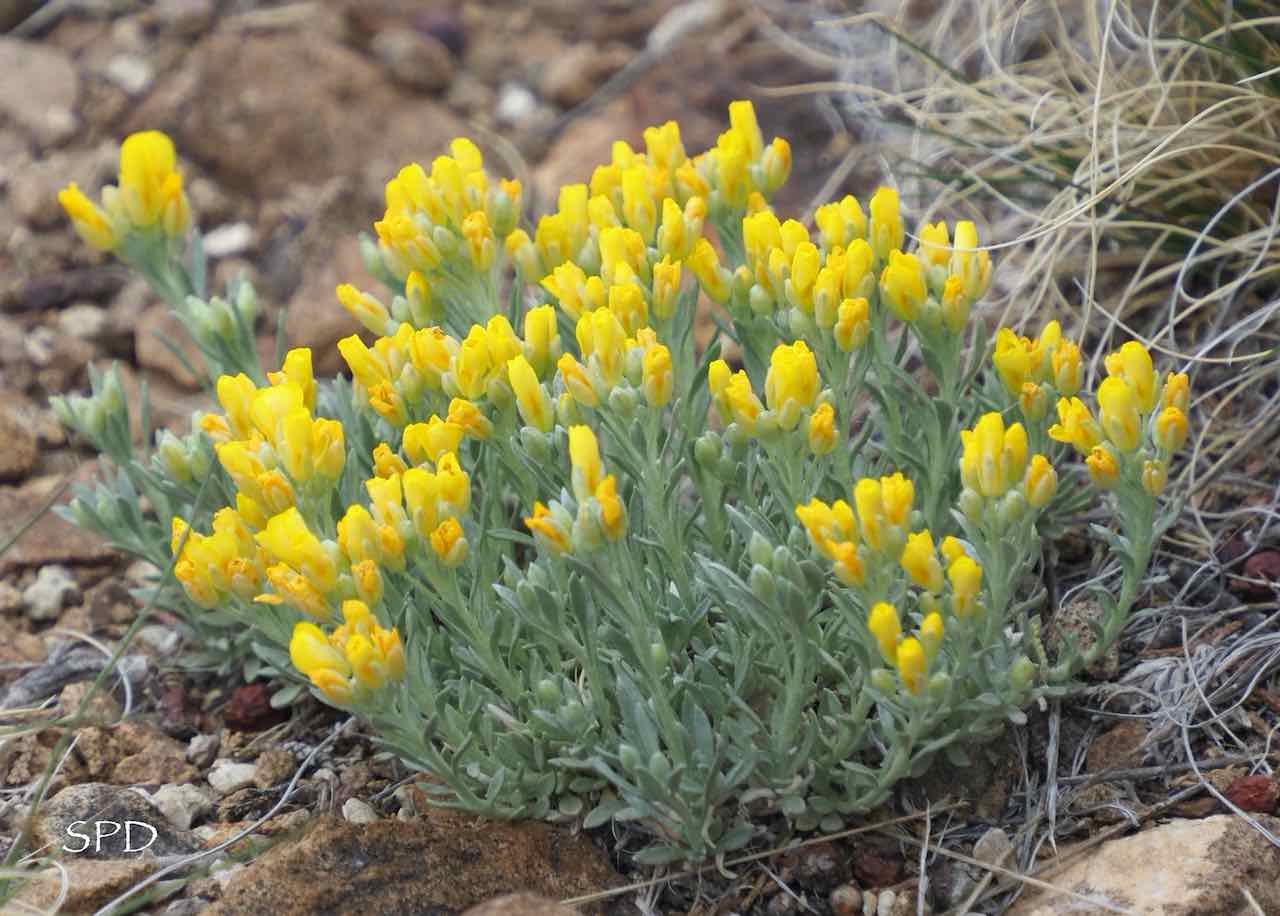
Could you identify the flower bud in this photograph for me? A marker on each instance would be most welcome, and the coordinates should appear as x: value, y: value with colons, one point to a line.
x: 883, y: 681
x: 762, y: 583
x: 1022, y: 674
x: 760, y: 550
x: 706, y: 450
x: 1155, y: 475
x: 659, y: 655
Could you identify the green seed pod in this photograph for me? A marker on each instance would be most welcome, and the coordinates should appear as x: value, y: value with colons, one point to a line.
x: 660, y: 656
x: 1022, y: 674
x: 882, y: 679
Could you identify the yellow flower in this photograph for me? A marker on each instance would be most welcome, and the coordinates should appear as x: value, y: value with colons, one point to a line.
x: 1118, y: 408
x: 1176, y: 392
x: 386, y: 462
x: 613, y: 514
x: 805, y: 264
x: 432, y: 352
x: 150, y: 184
x: 1155, y: 475
x: 1067, y: 371
x: 454, y: 484
x: 1132, y: 363
x: 911, y: 664
x: 740, y: 402
x: 288, y: 540
x: 532, y: 400
x: 1017, y: 360
x: 297, y: 590
x: 468, y: 417
x: 89, y: 220
x: 935, y: 244
x: 965, y: 576
x: 376, y: 660
x: 885, y: 626
x: 705, y: 264
x: 656, y: 375
x: 368, y: 581
x: 1033, y: 400
x: 1170, y: 429
x: 364, y: 308
x: 931, y: 632
x: 847, y: 564
x: 449, y: 542
x: 584, y: 455
x: 1103, y: 467
x: 952, y: 548
x: 886, y: 232
x: 994, y: 458
x: 603, y: 339
x: 422, y: 498
x: 666, y: 288
x: 884, y: 506
x: 550, y: 529
x: 902, y: 285
x: 822, y: 430
x: 326, y: 666
x: 1040, y: 483
x: 791, y: 386
x: 840, y: 222
x: 541, y: 338
x: 576, y: 381
x: 1076, y: 425
x: 385, y: 498
x: 920, y: 561
x: 626, y: 302
x: 853, y: 324
x: 358, y: 535
x: 425, y: 442
x: 971, y: 265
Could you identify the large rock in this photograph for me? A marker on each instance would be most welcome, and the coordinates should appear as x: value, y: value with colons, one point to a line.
x: 39, y: 90
x: 316, y: 319
x: 49, y: 539
x: 90, y: 821
x: 1182, y: 868
x: 444, y: 863
x: 89, y: 885
x: 265, y: 112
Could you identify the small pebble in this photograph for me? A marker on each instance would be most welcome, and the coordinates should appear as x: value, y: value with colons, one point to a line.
x: 181, y: 804
x: 202, y: 749
x: 131, y: 72
x: 359, y: 812
x: 52, y: 590
x: 516, y: 104
x: 228, y: 240
x: 227, y: 776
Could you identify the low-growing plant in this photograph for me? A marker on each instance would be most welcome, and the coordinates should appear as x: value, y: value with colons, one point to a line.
x: 586, y: 568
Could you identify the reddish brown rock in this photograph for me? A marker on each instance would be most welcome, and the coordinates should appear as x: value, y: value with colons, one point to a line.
x: 447, y: 861
x: 1256, y: 793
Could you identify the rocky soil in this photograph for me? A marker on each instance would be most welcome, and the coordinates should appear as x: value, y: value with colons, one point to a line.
x: 289, y: 119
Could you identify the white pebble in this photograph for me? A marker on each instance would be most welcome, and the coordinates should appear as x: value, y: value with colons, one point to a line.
x: 227, y: 776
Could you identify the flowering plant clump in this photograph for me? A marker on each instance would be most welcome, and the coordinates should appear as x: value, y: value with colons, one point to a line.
x: 570, y: 563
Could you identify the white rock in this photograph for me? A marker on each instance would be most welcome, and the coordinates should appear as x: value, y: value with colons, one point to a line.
x: 884, y: 905
x: 48, y: 595
x: 1184, y: 866
x: 227, y: 776
x: 202, y: 749
x: 181, y: 804
x: 516, y: 104
x: 83, y: 320
x: 161, y: 638
x: 228, y: 240
x: 359, y: 812
x: 224, y: 875
x: 130, y: 72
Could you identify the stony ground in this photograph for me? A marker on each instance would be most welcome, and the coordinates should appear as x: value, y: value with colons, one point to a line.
x: 289, y: 118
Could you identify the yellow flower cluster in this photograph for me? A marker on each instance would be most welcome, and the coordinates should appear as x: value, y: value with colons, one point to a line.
x: 910, y: 655
x: 358, y: 657
x: 1141, y: 422
x: 793, y: 394
x: 601, y: 512
x: 994, y: 462
x: 868, y: 538
x: 454, y: 213
x: 1035, y: 370
x: 148, y: 198
x: 832, y: 279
